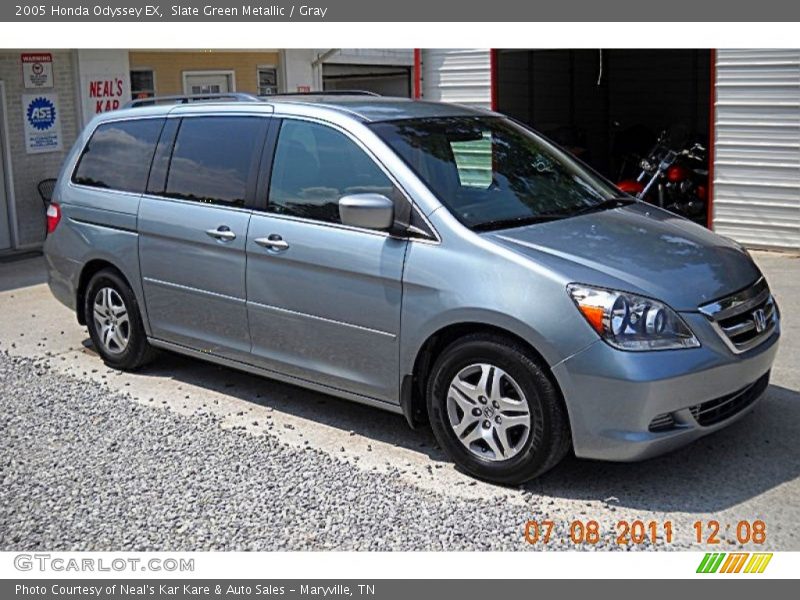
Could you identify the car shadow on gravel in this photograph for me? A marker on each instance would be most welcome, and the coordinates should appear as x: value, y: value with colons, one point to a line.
x: 731, y: 466
x: 726, y: 468
x: 370, y: 422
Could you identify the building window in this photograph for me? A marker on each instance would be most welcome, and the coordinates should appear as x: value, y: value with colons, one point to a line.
x: 267, y: 81
x: 143, y: 83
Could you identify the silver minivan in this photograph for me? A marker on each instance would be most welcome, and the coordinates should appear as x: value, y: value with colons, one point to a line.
x: 437, y: 261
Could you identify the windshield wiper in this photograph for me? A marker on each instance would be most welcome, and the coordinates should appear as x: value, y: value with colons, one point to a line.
x: 606, y: 204
x: 552, y: 216
x: 516, y: 222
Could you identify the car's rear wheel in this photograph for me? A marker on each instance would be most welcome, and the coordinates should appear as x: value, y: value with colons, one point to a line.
x: 115, y: 322
x: 496, y: 411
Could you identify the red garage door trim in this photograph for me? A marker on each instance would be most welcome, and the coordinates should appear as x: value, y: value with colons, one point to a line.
x: 417, y: 73
x: 712, y: 114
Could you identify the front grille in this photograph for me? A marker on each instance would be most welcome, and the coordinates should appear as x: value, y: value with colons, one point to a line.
x: 719, y: 409
x: 744, y: 319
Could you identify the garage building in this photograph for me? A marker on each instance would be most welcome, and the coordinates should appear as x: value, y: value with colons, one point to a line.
x: 47, y: 96
x: 745, y: 104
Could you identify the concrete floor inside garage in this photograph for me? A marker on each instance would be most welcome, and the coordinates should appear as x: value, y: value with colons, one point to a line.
x: 387, y: 472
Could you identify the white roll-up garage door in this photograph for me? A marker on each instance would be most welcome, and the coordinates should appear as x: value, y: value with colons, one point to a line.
x: 757, y: 151
x: 460, y: 76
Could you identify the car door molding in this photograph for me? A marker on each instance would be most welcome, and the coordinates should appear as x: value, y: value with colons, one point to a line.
x: 194, y: 290
x: 270, y: 307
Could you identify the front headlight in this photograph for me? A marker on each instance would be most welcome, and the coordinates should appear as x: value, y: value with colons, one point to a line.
x: 631, y: 322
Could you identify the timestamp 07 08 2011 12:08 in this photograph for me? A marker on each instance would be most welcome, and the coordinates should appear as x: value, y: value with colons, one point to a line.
x: 636, y: 532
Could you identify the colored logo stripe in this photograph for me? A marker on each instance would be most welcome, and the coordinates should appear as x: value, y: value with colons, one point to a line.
x: 734, y: 562
x: 722, y: 562
x: 711, y: 562
x: 758, y: 563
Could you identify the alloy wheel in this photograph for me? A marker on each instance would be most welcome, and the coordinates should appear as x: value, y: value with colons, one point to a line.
x: 111, y: 320
x: 488, y: 412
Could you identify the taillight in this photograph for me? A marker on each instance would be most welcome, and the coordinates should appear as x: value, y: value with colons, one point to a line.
x: 677, y: 173
x: 702, y: 192
x: 53, y: 217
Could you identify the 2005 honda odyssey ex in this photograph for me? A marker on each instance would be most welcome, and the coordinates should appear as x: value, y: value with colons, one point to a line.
x: 438, y: 261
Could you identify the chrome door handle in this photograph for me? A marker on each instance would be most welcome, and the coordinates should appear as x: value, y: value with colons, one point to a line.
x: 273, y: 242
x: 222, y: 233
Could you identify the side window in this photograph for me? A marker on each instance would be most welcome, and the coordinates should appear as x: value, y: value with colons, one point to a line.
x: 118, y: 155
x: 314, y: 166
x: 213, y: 159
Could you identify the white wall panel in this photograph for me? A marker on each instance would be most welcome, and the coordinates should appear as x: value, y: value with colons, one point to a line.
x: 757, y: 150
x: 459, y: 76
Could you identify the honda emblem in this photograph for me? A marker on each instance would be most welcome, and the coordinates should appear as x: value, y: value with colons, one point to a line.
x: 760, y: 320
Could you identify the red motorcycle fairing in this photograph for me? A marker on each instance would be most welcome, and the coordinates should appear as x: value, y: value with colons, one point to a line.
x: 677, y: 173
x: 631, y: 186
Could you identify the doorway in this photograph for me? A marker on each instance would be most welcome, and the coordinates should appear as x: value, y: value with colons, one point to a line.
x: 608, y: 105
x: 379, y: 79
x: 208, y: 82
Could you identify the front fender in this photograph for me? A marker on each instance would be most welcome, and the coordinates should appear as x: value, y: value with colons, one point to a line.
x: 484, y: 284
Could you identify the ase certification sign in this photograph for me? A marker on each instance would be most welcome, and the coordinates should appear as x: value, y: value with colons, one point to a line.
x: 42, y: 123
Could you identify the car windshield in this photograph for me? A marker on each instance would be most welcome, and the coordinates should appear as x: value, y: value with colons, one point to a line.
x: 492, y: 173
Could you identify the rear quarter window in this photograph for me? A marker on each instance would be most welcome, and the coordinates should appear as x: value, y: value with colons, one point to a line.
x: 118, y: 155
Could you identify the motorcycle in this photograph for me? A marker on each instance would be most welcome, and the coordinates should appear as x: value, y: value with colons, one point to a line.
x: 674, y: 180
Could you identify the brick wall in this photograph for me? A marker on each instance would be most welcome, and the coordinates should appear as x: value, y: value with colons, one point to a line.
x: 29, y: 169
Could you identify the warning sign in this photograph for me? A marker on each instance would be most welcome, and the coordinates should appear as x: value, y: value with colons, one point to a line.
x: 37, y: 70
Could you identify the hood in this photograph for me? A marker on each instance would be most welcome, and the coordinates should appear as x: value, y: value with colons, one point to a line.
x: 640, y: 249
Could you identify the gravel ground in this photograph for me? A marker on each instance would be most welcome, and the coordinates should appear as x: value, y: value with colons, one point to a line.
x: 184, y: 455
x: 87, y: 469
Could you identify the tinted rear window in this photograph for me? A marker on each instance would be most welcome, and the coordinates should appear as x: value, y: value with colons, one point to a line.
x: 213, y: 159
x: 118, y: 155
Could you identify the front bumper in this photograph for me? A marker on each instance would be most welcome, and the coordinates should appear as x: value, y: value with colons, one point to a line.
x: 612, y: 396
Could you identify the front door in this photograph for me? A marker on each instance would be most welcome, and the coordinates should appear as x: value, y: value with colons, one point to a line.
x: 207, y: 83
x: 192, y: 232
x: 323, y: 300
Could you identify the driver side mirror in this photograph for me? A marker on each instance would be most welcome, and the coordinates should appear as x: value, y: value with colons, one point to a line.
x: 369, y: 211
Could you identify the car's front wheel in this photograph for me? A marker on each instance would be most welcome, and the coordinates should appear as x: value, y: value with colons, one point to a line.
x: 496, y: 411
x: 114, y: 321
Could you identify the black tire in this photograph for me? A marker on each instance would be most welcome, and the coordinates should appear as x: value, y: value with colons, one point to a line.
x: 138, y: 351
x: 549, y: 438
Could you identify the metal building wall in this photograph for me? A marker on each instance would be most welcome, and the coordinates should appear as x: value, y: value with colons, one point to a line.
x: 757, y: 149
x: 460, y: 76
